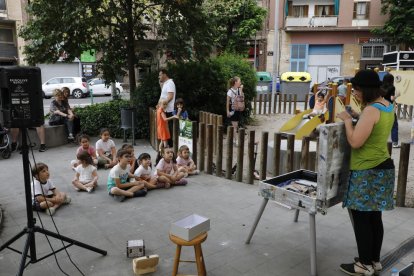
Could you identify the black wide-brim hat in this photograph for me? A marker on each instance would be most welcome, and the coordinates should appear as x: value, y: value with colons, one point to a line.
x: 366, y: 78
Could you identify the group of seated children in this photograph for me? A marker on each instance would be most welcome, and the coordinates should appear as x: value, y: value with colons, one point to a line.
x: 128, y: 177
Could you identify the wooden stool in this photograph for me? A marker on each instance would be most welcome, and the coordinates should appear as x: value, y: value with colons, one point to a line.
x: 199, y: 259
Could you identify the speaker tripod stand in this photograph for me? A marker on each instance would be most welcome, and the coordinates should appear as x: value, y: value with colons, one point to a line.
x: 31, y: 229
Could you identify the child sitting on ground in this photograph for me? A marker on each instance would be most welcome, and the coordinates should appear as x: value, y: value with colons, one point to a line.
x: 85, y: 146
x: 167, y: 171
x: 118, y: 183
x: 106, y: 151
x: 144, y: 171
x: 45, y: 196
x: 130, y: 149
x: 184, y: 161
x: 319, y: 107
x: 86, y: 177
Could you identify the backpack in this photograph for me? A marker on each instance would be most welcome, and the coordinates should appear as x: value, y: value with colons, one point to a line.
x: 238, y: 102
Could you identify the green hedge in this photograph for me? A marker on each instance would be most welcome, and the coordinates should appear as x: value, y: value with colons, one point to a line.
x: 202, y: 85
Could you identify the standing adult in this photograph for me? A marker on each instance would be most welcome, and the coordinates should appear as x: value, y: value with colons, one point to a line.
x: 168, y: 92
x: 61, y: 114
x: 342, y: 89
x: 371, y: 180
x: 235, y: 88
x: 40, y: 133
x: 389, y: 88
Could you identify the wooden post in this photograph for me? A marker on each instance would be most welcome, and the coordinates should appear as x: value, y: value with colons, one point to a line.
x: 209, y: 164
x: 410, y: 113
x: 279, y: 110
x: 284, y: 103
x: 304, y: 160
x: 276, y: 157
x: 202, y: 139
x: 176, y: 130
x: 402, y: 174
x: 269, y: 108
x: 274, y: 102
x: 240, y: 153
x: 399, y: 111
x: 405, y: 111
x: 219, y: 155
x: 295, y: 99
x: 306, y: 101
x: 194, y: 137
x: 229, y: 163
x: 151, y: 126
x: 250, y: 154
x: 263, y: 155
x: 260, y: 103
x: 290, y: 151
x: 348, y: 93
x: 201, y: 116
x: 215, y: 133
x: 254, y: 105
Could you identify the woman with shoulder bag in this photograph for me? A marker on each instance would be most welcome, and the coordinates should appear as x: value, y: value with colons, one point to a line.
x: 372, y: 172
x: 61, y: 114
x: 233, y: 110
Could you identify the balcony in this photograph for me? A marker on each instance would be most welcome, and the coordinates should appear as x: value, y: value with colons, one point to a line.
x: 314, y: 21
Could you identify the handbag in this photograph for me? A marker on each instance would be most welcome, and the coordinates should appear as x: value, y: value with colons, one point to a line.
x: 55, y: 120
x: 238, y: 102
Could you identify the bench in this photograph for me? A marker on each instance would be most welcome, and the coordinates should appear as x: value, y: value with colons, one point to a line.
x: 55, y: 136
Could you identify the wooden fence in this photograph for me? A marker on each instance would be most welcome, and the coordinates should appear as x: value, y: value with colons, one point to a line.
x: 267, y: 103
x: 217, y: 155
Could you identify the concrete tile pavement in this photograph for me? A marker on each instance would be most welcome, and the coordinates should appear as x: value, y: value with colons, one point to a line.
x: 278, y: 247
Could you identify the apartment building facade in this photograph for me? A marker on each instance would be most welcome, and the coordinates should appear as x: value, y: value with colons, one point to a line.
x: 326, y: 38
x: 12, y: 16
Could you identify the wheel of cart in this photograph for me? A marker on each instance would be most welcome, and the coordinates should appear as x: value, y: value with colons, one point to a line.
x: 5, y: 143
x: 312, y: 192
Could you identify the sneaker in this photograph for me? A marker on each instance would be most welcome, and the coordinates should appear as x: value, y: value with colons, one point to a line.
x: 395, y: 145
x: 376, y: 265
x: 357, y: 269
x: 51, y: 211
x: 119, y: 198
x: 89, y: 189
x: 181, y: 182
x: 70, y: 137
x: 14, y: 146
x: 42, y: 148
x: 67, y: 200
x: 140, y: 193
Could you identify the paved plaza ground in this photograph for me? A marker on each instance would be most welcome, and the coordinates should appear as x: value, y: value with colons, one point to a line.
x: 279, y: 246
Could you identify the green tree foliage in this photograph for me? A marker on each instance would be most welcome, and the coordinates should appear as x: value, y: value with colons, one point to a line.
x: 399, y: 28
x: 233, y: 22
x: 202, y: 85
x: 112, y: 28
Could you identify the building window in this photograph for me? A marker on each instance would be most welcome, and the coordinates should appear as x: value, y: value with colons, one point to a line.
x: 6, y: 36
x: 372, y: 51
x: 324, y: 10
x: 361, y: 10
x: 297, y: 10
x: 2, y: 5
x: 298, y: 56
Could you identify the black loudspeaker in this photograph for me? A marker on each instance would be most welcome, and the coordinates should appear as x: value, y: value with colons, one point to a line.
x: 21, y: 97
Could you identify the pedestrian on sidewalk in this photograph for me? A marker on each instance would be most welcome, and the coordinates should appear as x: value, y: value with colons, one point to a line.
x: 371, y: 182
x: 389, y: 88
x: 235, y: 89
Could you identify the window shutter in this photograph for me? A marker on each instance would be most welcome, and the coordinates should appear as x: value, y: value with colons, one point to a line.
x: 305, y: 11
x: 331, y: 10
x: 367, y: 10
x: 355, y: 11
x: 316, y: 10
x: 290, y: 8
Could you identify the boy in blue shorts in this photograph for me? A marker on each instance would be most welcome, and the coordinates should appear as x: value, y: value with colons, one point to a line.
x: 119, y: 184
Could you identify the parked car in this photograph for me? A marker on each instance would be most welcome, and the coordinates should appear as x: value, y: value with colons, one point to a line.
x: 339, y: 80
x: 78, y: 86
x: 99, y: 87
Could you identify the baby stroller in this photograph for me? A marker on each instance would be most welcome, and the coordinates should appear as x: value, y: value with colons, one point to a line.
x: 5, y: 149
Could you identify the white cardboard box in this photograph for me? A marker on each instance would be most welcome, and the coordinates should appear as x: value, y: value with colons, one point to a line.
x: 190, y: 227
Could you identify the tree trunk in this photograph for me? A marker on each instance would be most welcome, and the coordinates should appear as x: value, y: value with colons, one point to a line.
x: 130, y: 49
